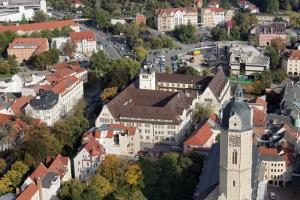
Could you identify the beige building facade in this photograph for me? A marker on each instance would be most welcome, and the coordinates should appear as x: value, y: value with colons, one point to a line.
x: 168, y: 19
x: 291, y: 63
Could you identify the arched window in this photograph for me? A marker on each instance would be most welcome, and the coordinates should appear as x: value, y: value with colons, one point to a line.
x: 234, y: 157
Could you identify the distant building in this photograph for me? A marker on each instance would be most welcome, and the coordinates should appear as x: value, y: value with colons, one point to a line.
x: 87, y: 160
x: 291, y: 63
x: 11, y: 131
x: 17, y: 10
x: 161, y: 105
x: 14, y: 84
x: 198, y: 4
x: 269, y: 18
x: 24, y: 48
x: 42, y: 184
x: 77, y: 3
x: 203, y: 137
x: 247, y: 6
x: 116, y: 139
x: 36, y: 27
x: 278, y: 166
x: 265, y: 33
x: 247, y: 60
x: 214, y: 15
x: 61, y: 164
x: 140, y: 19
x: 45, y: 107
x: 85, y: 41
x: 114, y: 21
x: 167, y: 19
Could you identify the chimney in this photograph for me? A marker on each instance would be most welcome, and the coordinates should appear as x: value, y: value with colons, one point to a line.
x: 40, y: 188
x: 17, y: 191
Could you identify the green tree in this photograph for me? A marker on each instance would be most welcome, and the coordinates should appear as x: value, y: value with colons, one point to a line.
x: 40, y: 16
x: 190, y: 71
x: 201, y: 112
x: 141, y: 52
x: 186, y: 33
x: 100, y: 63
x: 219, y: 33
x: 71, y: 189
x: 270, y: 6
x: 13, y: 64
x: 274, y: 56
x: 102, y: 18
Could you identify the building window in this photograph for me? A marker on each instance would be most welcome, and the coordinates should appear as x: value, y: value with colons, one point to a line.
x: 234, y: 157
x: 233, y: 183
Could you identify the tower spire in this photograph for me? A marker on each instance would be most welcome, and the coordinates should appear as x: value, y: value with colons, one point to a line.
x: 238, y: 95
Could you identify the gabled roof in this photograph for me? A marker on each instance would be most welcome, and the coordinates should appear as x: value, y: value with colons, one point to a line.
x: 202, y: 134
x: 20, y: 103
x: 218, y: 83
x: 58, y: 164
x: 28, y: 192
x: 39, y: 44
x: 169, y: 11
x: 39, y: 172
x: 64, y: 84
x: 39, y: 26
x: 94, y: 148
x: 83, y: 35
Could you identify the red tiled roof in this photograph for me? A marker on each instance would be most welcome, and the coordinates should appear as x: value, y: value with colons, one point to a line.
x: 83, y: 35
x: 268, y: 151
x: 6, y: 118
x: 61, y: 86
x: 201, y: 135
x: 77, y: 2
x: 41, y: 44
x: 39, y: 26
x: 40, y: 171
x: 168, y: 11
x: 261, y: 102
x: 62, y: 73
x: 28, y: 193
x: 140, y: 19
x: 295, y: 54
x: 94, y: 148
x: 60, y: 66
x: 130, y: 130
x: 20, y: 103
x: 259, y: 117
x: 59, y: 165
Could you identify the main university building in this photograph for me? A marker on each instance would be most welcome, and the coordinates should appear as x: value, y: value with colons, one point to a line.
x: 161, y: 105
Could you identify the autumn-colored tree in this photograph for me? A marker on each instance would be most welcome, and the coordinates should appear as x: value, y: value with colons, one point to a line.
x: 108, y: 93
x: 69, y: 48
x: 101, y: 185
x: 133, y: 174
x: 141, y: 52
x: 278, y: 43
x: 71, y: 189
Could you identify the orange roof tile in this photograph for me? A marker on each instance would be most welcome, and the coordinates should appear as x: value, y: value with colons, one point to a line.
x: 59, y: 165
x: 168, y: 11
x: 6, y: 118
x: 64, y: 84
x: 259, y: 117
x: 40, y: 44
x: 83, y: 35
x: 60, y: 66
x: 40, y: 171
x: 20, y: 103
x: 294, y: 54
x: 268, y: 151
x: 28, y: 193
x: 94, y: 148
x: 200, y: 136
x: 39, y: 26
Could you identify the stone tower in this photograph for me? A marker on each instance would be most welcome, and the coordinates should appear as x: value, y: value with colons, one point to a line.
x: 147, y: 76
x: 236, y: 149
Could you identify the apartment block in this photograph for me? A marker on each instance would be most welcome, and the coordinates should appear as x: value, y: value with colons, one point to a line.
x: 24, y: 48
x: 167, y: 19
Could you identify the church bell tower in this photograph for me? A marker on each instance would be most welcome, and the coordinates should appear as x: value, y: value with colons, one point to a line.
x: 236, y: 149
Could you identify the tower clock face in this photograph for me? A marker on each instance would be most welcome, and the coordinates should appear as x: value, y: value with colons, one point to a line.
x: 234, y: 141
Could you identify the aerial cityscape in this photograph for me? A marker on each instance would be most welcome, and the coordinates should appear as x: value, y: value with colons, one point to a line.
x: 149, y: 99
